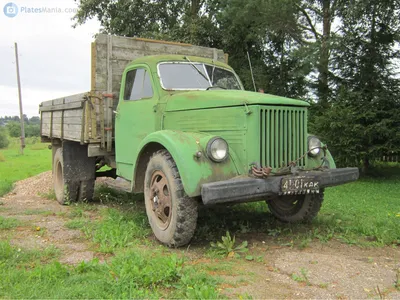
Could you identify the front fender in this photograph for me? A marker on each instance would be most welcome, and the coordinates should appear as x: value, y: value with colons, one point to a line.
x: 194, y: 171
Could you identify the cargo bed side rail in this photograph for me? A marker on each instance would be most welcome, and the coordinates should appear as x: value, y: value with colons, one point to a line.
x: 86, y: 118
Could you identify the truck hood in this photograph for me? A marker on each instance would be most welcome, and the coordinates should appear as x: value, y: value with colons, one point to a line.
x: 222, y: 98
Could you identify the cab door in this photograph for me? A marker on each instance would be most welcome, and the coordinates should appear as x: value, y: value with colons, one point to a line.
x: 135, y: 116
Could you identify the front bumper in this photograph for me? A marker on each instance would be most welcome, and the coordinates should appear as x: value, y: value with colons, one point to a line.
x: 245, y: 189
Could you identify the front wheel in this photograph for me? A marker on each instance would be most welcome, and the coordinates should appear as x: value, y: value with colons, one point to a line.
x: 172, y: 214
x: 296, y: 208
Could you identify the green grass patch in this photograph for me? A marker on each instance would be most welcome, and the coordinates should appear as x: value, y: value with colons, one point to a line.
x: 76, y: 224
x: 130, y: 274
x: 14, y: 166
x: 368, y: 208
x: 38, y: 212
x: 8, y: 223
x: 117, y: 229
x: 14, y: 257
x: 51, y: 195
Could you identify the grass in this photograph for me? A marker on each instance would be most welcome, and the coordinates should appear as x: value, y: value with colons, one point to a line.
x: 132, y: 273
x: 368, y: 208
x: 14, y: 166
x: 118, y: 230
x: 8, y: 223
x: 38, y: 212
x: 76, y: 224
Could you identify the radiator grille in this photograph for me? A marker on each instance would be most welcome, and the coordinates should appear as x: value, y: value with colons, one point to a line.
x: 283, y: 136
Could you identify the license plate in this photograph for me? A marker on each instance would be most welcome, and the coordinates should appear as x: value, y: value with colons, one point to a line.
x: 299, y: 185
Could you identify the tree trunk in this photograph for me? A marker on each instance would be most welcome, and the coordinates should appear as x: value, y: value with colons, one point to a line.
x: 365, y: 164
x: 323, y: 80
x: 194, y: 8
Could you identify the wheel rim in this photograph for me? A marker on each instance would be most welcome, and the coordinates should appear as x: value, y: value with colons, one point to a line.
x: 160, y: 199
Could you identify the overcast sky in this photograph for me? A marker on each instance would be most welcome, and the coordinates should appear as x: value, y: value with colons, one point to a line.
x: 54, y: 58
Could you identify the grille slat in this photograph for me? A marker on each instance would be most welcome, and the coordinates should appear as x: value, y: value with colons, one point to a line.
x: 283, y: 134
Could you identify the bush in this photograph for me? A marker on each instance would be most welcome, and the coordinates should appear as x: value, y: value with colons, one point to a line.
x: 32, y: 130
x: 3, y: 139
x: 14, y: 129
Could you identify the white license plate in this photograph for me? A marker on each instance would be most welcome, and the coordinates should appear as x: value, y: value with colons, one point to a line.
x: 299, y: 185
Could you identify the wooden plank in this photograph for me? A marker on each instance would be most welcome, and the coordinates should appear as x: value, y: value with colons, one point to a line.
x: 51, y: 125
x: 71, y: 105
x: 58, y: 101
x: 71, y: 136
x: 47, y: 103
x: 56, y: 115
x: 45, y: 131
x: 83, y: 125
x: 73, y: 113
x: 67, y: 120
x: 93, y: 67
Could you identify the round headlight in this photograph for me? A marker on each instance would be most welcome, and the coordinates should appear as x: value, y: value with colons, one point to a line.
x: 217, y: 149
x: 314, y: 146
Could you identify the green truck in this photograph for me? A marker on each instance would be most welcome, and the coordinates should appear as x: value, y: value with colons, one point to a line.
x: 174, y: 120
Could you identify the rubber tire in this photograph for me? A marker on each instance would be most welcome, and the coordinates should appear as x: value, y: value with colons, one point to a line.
x: 305, y: 210
x: 86, y: 190
x: 66, y: 190
x: 184, y: 208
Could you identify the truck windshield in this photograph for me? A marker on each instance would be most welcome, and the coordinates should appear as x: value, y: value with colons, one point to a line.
x: 196, y: 76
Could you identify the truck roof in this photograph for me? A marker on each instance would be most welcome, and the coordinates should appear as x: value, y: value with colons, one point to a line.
x: 155, y: 59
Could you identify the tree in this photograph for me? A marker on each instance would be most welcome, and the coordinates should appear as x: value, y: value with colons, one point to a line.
x: 32, y: 130
x: 4, y: 142
x: 34, y: 120
x: 14, y: 129
x: 364, y: 121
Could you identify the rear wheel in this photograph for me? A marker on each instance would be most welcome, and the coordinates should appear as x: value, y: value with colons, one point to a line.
x: 172, y: 214
x: 73, y: 173
x: 296, y: 208
x: 65, y: 189
x: 86, y: 190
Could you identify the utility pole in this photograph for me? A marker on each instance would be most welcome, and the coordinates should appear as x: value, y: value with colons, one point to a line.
x: 21, y: 114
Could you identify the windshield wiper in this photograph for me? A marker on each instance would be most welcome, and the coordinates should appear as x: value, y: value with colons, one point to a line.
x: 194, y: 66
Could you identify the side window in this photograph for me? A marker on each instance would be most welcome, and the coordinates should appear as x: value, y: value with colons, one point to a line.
x: 138, y: 85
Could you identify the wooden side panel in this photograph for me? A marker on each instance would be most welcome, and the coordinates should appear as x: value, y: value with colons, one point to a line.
x: 62, y: 117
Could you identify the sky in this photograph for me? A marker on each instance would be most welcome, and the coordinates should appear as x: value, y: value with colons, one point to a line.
x: 54, y: 58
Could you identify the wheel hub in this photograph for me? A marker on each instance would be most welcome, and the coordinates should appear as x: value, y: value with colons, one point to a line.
x: 161, y: 203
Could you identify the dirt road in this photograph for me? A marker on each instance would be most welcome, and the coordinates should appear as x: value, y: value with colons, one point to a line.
x: 330, y: 270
